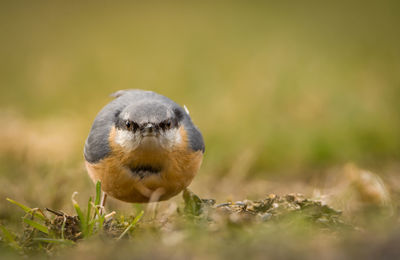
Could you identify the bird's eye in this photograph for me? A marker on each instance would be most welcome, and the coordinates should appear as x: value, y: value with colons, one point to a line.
x: 128, y: 124
x: 168, y: 124
x: 162, y: 125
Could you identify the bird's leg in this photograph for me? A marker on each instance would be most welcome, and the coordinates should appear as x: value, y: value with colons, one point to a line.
x: 154, y: 198
x: 103, y: 203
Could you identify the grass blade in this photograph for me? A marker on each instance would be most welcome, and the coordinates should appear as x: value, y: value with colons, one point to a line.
x: 89, y: 210
x: 27, y: 209
x: 82, y: 219
x: 53, y: 240
x: 9, y: 237
x: 99, y: 219
x: 63, y: 227
x: 36, y: 225
x: 98, y: 193
x: 133, y: 224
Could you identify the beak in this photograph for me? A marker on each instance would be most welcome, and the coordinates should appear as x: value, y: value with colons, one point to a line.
x: 149, y: 130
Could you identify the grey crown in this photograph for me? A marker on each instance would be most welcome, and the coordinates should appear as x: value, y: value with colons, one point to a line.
x: 97, y: 146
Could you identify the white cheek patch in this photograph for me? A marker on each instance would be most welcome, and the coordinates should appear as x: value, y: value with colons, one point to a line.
x: 170, y: 138
x: 127, y: 139
x: 130, y: 141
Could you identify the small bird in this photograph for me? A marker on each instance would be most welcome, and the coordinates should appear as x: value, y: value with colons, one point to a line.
x: 141, y: 145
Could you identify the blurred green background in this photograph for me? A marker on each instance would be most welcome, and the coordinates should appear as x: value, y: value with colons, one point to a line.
x: 280, y: 90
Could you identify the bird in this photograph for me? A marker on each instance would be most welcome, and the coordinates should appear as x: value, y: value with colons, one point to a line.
x: 143, y: 147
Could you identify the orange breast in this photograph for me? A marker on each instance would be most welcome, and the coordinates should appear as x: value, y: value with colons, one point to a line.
x: 178, y: 168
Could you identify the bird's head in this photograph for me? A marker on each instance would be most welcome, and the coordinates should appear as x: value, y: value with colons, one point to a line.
x: 148, y: 125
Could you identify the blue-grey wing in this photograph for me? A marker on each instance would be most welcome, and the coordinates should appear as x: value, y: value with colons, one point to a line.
x: 97, y: 145
x: 195, y: 137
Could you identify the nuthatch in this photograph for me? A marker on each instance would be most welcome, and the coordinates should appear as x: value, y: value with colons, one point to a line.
x: 143, y: 143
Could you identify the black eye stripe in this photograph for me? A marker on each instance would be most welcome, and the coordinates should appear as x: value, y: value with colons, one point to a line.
x: 133, y: 126
x: 127, y: 124
x: 167, y: 124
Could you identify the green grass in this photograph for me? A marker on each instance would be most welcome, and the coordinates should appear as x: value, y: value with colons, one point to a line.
x: 42, y: 232
x: 93, y: 219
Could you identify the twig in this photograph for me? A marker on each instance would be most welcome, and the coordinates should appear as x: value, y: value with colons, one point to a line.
x: 56, y: 212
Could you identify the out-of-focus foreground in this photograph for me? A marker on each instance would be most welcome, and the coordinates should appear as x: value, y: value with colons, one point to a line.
x: 290, y: 97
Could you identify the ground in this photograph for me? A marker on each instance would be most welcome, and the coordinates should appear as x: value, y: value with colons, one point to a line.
x: 289, y: 226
